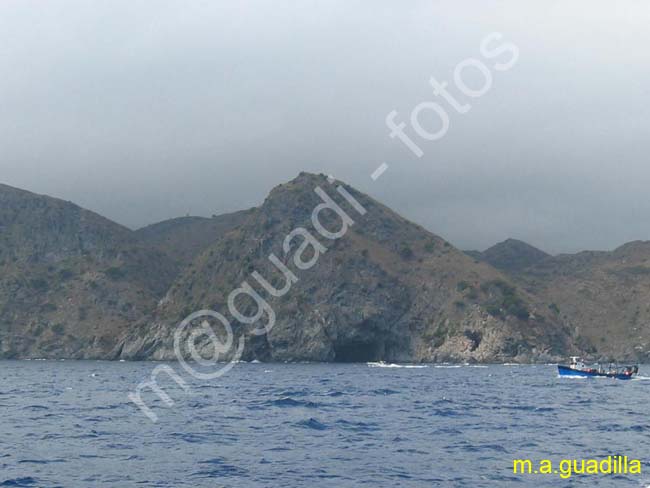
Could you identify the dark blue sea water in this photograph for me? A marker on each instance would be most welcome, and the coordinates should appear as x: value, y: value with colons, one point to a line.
x: 70, y: 424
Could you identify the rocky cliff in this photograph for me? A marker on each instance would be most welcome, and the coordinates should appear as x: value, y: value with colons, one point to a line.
x: 71, y: 281
x: 386, y: 290
x: 603, y: 297
x: 353, y: 282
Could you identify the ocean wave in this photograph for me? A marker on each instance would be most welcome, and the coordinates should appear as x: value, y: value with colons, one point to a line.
x: 447, y: 412
x: 223, y: 470
x: 385, y: 391
x: 312, y: 423
x: 36, y: 407
x: 334, y: 393
x: 358, y: 426
x: 294, y: 393
x: 26, y: 481
x: 291, y: 402
x: 191, y: 438
x: 41, y: 461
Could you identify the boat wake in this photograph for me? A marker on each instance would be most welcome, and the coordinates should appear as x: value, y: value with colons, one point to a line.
x: 578, y: 377
x: 391, y: 365
x: 641, y: 378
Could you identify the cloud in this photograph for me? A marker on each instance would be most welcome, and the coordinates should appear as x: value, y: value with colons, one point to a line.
x: 144, y: 110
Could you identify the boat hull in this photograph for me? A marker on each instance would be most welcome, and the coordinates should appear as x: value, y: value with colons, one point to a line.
x: 567, y: 371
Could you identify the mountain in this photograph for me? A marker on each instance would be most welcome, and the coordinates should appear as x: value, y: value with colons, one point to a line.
x: 604, y: 297
x: 475, y: 255
x: 74, y: 284
x: 385, y: 290
x: 510, y: 256
x: 184, y: 238
x: 71, y: 281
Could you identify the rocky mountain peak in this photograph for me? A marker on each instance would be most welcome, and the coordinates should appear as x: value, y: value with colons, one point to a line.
x: 380, y: 287
x: 512, y: 255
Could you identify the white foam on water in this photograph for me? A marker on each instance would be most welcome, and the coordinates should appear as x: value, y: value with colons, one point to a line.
x: 383, y: 365
x: 392, y: 365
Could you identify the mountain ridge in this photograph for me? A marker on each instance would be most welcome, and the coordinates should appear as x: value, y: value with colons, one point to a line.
x: 74, y: 284
x: 71, y: 281
x: 183, y: 238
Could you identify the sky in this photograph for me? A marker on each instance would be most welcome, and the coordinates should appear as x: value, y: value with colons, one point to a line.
x: 143, y: 110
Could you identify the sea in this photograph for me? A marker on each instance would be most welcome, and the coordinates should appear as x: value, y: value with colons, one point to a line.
x: 71, y: 424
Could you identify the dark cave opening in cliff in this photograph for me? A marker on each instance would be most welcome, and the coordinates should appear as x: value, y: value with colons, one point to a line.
x: 359, y: 352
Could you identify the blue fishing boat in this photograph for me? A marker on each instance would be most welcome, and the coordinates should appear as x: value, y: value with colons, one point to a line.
x: 578, y: 368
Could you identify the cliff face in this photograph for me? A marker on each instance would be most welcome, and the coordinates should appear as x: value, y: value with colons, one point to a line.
x: 386, y: 290
x: 603, y: 297
x: 71, y: 282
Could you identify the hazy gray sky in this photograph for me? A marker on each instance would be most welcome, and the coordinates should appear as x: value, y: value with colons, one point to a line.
x: 145, y: 110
